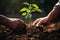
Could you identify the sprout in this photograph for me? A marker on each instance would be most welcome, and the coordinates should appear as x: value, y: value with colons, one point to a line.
x: 26, y: 11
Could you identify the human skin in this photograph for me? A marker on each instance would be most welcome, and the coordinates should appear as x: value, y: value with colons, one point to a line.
x: 50, y: 17
x: 13, y: 23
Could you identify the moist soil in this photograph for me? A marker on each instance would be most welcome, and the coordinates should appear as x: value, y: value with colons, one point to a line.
x: 49, y: 32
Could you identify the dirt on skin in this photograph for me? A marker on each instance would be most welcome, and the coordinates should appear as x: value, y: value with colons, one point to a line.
x: 49, y: 32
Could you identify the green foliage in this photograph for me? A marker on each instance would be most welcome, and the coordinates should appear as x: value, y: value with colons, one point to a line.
x: 26, y: 3
x: 23, y: 14
x: 26, y: 11
x: 28, y: 16
x: 23, y: 9
x: 34, y: 5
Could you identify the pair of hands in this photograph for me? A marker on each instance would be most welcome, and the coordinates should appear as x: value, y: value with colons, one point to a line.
x: 38, y: 22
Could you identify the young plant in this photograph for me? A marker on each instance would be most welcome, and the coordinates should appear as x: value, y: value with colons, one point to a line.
x: 26, y: 11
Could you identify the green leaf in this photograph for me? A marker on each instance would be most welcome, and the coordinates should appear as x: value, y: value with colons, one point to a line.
x: 33, y: 10
x: 23, y: 9
x: 28, y: 10
x: 34, y: 5
x: 26, y: 3
x: 30, y: 7
x: 28, y: 16
x: 37, y: 9
x: 23, y: 14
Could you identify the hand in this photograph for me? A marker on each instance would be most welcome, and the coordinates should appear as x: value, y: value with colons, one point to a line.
x: 16, y: 23
x: 41, y: 21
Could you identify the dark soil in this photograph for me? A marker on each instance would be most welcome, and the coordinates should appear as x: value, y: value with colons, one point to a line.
x: 50, y: 32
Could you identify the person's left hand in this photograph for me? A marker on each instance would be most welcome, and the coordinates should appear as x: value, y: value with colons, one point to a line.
x: 40, y: 22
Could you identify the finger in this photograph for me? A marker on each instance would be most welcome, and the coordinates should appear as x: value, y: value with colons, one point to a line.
x: 35, y: 22
x: 40, y: 26
x: 38, y: 23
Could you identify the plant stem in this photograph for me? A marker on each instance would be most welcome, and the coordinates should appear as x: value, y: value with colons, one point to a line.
x: 30, y: 23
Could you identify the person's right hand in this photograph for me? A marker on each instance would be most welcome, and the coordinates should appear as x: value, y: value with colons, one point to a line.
x: 16, y: 23
x: 13, y: 23
x: 41, y: 21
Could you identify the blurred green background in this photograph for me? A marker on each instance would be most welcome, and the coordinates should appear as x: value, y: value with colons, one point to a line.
x: 11, y: 8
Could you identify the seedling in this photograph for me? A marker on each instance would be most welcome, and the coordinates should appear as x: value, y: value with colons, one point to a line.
x: 26, y: 11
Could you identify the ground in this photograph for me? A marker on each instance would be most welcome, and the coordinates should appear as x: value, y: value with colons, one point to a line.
x: 49, y: 32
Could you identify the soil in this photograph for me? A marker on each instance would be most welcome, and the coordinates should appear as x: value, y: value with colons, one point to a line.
x: 49, y: 32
